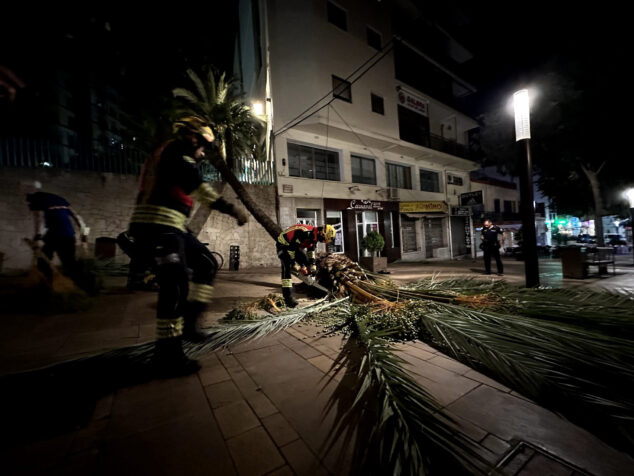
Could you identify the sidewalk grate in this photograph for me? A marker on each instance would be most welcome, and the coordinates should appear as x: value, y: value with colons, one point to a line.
x: 526, y: 459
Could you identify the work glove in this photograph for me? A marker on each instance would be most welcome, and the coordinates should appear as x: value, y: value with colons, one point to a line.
x: 241, y: 216
x: 313, y: 269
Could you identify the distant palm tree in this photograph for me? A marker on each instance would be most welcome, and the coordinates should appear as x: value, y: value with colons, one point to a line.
x: 238, y: 132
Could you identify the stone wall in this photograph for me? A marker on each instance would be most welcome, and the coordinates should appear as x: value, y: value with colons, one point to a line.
x: 105, y: 201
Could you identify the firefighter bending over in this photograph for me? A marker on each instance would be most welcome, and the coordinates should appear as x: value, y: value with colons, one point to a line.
x: 290, y: 244
x: 169, y: 180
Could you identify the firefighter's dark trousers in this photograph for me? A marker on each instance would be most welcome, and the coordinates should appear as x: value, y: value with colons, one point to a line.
x: 175, y: 253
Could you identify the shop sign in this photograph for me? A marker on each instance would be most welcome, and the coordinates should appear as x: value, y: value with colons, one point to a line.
x: 364, y: 205
x: 471, y: 198
x: 460, y: 211
x: 430, y: 206
x: 412, y: 102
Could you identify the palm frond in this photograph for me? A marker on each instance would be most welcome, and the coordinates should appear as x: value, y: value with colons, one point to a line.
x: 242, y: 331
x: 573, y: 375
x: 392, y: 424
x: 200, y: 88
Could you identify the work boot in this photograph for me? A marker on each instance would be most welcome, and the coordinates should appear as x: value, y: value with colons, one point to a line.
x: 193, y: 311
x: 289, y: 300
x: 170, y: 361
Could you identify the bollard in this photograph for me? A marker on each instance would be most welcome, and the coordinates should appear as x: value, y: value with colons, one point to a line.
x: 234, y: 257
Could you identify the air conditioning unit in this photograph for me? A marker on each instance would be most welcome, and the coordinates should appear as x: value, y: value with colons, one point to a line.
x: 392, y: 194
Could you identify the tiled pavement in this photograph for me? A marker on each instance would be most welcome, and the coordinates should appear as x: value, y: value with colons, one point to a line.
x: 258, y: 408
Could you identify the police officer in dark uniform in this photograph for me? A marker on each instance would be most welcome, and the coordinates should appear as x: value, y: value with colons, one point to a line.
x: 170, y: 180
x: 491, y: 246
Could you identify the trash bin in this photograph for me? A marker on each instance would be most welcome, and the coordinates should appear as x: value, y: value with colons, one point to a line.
x: 234, y: 258
x: 573, y: 262
x: 105, y: 247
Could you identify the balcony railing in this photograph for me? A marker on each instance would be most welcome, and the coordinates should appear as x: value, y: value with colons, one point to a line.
x: 448, y: 146
x: 502, y: 216
x: 40, y: 153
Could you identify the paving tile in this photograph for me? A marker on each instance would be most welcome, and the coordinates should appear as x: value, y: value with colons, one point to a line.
x: 540, y: 465
x: 495, y: 444
x: 417, y: 352
x: 37, y: 457
x: 223, y: 393
x: 423, y: 346
x: 254, y: 453
x: 279, y: 429
x: 299, y: 347
x: 445, y: 385
x: 260, y: 343
x: 449, y: 364
x: 301, y: 394
x: 187, y: 446
x: 323, y: 363
x: 154, y: 403
x: 512, y: 418
x: 478, y: 377
x: 235, y: 418
x: 467, y: 428
x: 228, y: 360
x: 90, y: 437
x: 103, y: 407
x: 302, y: 460
x: 78, y: 464
x: 261, y: 404
x: 283, y: 471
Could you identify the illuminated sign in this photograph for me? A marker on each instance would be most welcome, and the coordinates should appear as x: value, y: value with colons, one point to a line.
x: 431, y: 206
x: 364, y: 205
x: 412, y: 102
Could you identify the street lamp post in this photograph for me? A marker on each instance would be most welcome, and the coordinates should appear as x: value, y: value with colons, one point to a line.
x: 629, y: 195
x: 527, y: 205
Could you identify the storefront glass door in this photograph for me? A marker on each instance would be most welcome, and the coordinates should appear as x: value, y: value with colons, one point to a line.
x: 367, y: 221
x: 335, y: 219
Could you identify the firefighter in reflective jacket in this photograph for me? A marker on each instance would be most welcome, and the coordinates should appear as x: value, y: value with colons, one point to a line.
x: 290, y: 244
x: 169, y: 180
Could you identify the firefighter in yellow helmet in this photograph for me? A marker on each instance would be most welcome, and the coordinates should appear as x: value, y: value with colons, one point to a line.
x: 169, y: 182
x: 290, y: 245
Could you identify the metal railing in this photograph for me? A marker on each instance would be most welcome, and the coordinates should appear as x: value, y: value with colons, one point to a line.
x: 25, y: 152
x: 448, y: 146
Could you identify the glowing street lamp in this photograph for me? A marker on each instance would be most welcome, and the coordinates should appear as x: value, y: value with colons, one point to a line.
x: 521, y: 106
x: 258, y: 108
x: 629, y: 196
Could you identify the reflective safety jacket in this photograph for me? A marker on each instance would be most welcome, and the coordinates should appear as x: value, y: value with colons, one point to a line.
x: 169, y: 181
x: 297, y: 237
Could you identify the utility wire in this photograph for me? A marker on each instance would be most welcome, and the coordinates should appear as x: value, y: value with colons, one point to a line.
x: 296, y: 121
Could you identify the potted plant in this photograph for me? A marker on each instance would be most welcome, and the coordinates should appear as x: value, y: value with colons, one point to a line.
x: 374, y: 243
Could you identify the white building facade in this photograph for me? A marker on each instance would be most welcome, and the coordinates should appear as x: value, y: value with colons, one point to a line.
x: 353, y: 145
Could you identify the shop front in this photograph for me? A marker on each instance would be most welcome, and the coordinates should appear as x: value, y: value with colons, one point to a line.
x: 425, y: 230
x: 353, y: 219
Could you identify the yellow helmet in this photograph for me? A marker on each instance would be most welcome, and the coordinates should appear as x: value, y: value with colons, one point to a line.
x: 195, y: 125
x: 329, y: 233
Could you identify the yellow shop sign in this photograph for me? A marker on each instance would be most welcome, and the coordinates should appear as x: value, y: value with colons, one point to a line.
x: 431, y: 206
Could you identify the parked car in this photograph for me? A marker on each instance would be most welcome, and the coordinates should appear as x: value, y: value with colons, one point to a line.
x: 586, y: 239
x: 614, y: 240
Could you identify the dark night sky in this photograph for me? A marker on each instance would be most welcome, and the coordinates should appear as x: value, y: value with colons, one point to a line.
x: 149, y: 50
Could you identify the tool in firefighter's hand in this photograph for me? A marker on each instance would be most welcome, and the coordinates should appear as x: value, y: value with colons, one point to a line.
x: 310, y: 281
x: 304, y: 271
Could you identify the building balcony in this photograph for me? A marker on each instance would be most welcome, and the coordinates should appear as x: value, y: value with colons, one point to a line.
x: 498, y: 217
x: 448, y: 146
